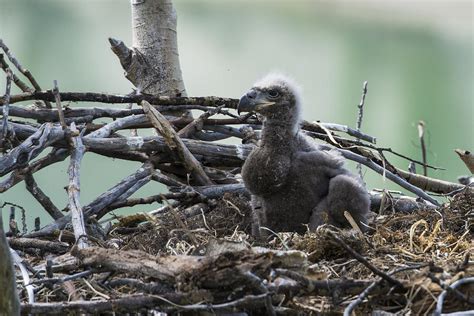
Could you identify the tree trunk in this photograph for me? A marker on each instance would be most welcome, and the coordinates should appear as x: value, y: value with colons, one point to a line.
x: 152, y: 64
x: 9, y: 301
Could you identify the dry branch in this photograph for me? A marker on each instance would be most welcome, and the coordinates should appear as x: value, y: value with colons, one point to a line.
x: 41, y: 197
x: 74, y: 187
x: 115, y: 98
x: 175, y: 143
x: 44, y: 245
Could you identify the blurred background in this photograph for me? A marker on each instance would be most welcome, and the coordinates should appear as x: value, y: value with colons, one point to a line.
x: 416, y: 55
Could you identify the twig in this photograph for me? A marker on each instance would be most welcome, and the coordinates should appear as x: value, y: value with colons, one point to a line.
x: 359, y: 120
x: 58, y: 105
x: 63, y: 279
x: 346, y: 129
x: 398, y: 180
x: 364, y: 261
x: 5, y: 110
x: 14, y: 231
x: 361, y: 106
x: 20, y: 84
x: 41, y: 197
x: 175, y: 143
x: 421, y: 135
x: 24, y: 71
x: 348, y: 310
x: 37, y: 223
x: 197, y: 124
x: 159, y: 198
x: 442, y: 296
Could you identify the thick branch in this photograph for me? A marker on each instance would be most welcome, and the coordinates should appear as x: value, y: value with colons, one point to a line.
x: 115, y: 98
x: 73, y: 190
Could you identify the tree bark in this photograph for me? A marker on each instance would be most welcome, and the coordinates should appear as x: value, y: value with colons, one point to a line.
x: 152, y: 64
x: 9, y: 301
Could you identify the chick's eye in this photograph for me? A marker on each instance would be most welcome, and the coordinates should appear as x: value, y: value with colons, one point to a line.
x: 273, y: 93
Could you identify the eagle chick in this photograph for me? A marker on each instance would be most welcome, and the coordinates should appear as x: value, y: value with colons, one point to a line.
x: 294, y: 181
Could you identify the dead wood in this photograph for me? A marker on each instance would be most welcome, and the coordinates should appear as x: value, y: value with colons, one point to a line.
x: 44, y: 245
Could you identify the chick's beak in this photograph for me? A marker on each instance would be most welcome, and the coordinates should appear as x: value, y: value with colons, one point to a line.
x: 252, y: 102
x: 247, y: 102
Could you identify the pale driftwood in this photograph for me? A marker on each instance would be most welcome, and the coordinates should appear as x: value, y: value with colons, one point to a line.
x: 431, y: 184
x: 9, y: 300
x: 175, y: 143
x: 74, y: 189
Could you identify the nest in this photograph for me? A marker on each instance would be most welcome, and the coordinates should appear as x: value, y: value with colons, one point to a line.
x: 208, y: 262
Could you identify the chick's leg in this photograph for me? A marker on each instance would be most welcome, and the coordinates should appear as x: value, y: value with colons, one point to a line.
x: 319, y: 215
x: 347, y: 194
x: 258, y: 216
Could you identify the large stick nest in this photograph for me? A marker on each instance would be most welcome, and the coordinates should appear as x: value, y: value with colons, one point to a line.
x: 203, y: 262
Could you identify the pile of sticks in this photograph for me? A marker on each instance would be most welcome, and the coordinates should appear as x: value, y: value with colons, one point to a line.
x: 186, y: 157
